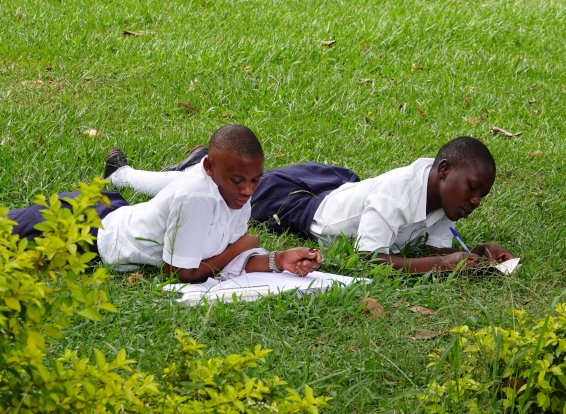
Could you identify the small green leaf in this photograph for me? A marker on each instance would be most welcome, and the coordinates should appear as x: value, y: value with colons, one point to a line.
x: 53, y: 332
x: 35, y: 340
x: 87, y: 257
x: 13, y: 303
x: 108, y: 307
x: 91, y: 313
x: 541, y: 399
x: 79, y: 295
x: 100, y: 358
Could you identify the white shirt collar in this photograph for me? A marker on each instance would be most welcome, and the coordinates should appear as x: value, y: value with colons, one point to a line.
x: 421, y: 215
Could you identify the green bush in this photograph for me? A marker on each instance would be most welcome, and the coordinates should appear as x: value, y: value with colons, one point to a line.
x: 44, y: 287
x: 498, y: 370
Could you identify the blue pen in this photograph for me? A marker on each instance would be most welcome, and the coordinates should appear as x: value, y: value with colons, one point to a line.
x: 459, y: 238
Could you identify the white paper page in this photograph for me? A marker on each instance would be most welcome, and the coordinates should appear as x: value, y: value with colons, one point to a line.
x: 509, y: 267
x: 263, y: 282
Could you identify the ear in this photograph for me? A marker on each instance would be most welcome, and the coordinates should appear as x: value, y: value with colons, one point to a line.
x: 443, y: 168
x: 208, y: 167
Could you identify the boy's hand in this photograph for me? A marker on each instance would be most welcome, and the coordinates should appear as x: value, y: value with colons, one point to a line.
x: 299, y: 260
x: 450, y: 261
x: 493, y: 251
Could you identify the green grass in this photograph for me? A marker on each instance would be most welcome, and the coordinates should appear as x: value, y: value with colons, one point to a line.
x: 259, y: 63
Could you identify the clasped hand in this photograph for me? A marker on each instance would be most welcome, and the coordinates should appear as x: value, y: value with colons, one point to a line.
x: 299, y: 260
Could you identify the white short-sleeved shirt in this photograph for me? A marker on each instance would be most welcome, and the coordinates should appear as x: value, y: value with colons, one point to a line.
x: 188, y: 221
x: 384, y: 211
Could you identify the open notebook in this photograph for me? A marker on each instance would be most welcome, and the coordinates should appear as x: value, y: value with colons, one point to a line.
x: 251, y: 286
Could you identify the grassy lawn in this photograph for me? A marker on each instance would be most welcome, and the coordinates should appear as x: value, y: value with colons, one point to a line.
x: 432, y: 70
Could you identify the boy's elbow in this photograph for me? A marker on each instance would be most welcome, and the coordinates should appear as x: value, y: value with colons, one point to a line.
x: 192, y: 276
x: 185, y: 275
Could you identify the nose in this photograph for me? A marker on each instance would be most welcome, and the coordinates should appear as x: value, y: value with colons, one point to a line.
x: 475, y: 201
x: 246, y: 189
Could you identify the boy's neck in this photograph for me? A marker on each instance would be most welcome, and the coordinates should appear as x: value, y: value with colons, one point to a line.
x: 432, y: 194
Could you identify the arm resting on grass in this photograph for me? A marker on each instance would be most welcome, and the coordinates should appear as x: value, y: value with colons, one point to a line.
x: 425, y: 264
x: 214, y: 264
x: 445, y: 258
x: 489, y: 251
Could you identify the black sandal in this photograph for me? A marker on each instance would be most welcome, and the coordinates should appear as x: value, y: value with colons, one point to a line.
x: 114, y: 160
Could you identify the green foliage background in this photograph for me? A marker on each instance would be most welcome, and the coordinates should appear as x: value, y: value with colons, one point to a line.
x: 260, y: 64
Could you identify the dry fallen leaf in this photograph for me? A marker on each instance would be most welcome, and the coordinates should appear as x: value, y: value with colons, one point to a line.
x: 49, y: 68
x: 422, y: 310
x: 400, y: 303
x: 495, y: 130
x: 472, y: 121
x: 533, y: 101
x: 187, y: 106
x: 133, y: 279
x: 224, y: 114
x: 365, y: 80
x: 511, y: 383
x: 193, y: 84
x: 531, y: 88
x: 245, y: 68
x: 137, y: 34
x: 537, y: 153
x: 37, y: 82
x: 369, y: 120
x: 328, y: 43
x: 467, y: 102
x: 364, y: 46
x: 428, y: 335
x: 372, y: 308
x: 400, y: 106
x: 421, y: 113
x: 522, y: 58
x: 91, y: 132
x: 484, y: 140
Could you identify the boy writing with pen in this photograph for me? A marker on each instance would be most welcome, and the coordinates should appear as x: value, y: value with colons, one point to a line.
x: 384, y: 213
x: 390, y: 211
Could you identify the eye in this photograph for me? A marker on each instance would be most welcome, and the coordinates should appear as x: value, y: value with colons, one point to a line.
x: 235, y: 181
x: 472, y: 187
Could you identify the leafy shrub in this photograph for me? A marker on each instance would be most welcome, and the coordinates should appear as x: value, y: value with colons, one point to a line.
x: 200, y: 385
x: 499, y: 370
x: 43, y: 288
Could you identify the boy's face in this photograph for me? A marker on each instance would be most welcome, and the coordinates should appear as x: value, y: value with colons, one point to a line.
x: 463, y: 186
x: 236, y: 177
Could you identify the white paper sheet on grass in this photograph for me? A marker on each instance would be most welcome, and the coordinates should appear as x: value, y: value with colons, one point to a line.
x: 251, y: 286
x: 509, y: 267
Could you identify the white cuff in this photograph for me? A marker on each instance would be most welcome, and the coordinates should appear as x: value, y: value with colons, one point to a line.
x: 238, y: 264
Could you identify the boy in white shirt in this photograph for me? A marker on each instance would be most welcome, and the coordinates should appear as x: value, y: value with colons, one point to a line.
x: 197, y: 224
x: 387, y: 212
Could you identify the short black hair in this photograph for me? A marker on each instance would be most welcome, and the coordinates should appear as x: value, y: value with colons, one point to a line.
x: 237, y: 140
x: 464, y: 150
